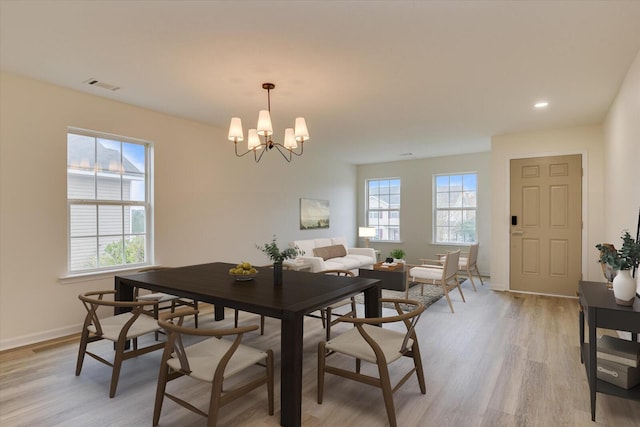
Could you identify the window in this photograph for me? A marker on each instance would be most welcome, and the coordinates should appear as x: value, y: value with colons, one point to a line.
x: 383, y: 208
x: 455, y: 201
x: 108, y: 202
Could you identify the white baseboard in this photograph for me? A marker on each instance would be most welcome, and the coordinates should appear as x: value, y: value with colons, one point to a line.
x: 10, y: 343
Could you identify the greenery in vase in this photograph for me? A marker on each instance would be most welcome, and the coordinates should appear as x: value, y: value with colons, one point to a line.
x: 625, y: 258
x: 275, y: 254
x: 397, y: 254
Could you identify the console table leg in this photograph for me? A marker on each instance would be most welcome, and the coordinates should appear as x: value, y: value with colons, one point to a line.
x: 593, y: 361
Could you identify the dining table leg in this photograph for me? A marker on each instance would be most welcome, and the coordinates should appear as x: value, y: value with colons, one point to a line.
x: 291, y: 370
x: 372, y: 304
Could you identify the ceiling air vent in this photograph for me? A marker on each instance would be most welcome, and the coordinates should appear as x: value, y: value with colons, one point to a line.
x: 103, y: 85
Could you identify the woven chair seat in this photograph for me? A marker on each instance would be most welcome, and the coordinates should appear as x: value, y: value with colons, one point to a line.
x: 205, y: 356
x: 158, y: 297
x: 111, y: 326
x: 353, y: 344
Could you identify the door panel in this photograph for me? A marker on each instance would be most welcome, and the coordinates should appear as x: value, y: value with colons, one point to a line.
x: 546, y: 241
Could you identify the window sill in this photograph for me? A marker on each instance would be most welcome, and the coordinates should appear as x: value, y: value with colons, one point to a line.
x: 97, y: 275
x: 467, y: 244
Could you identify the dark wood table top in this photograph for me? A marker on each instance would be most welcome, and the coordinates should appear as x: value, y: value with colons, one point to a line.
x: 301, y: 292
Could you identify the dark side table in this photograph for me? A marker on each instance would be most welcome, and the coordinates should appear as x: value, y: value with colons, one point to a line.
x: 395, y: 280
x: 601, y: 310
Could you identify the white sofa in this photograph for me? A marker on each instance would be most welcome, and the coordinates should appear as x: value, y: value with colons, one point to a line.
x: 327, y: 254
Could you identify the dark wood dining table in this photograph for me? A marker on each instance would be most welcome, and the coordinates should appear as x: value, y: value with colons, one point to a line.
x: 301, y: 293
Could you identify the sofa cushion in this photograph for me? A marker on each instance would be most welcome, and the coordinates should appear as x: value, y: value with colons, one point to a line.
x: 328, y: 252
x: 363, y: 260
x: 341, y: 263
x: 348, y: 262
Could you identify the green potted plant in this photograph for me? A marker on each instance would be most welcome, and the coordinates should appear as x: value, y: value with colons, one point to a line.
x: 397, y: 255
x: 622, y: 260
x: 274, y: 253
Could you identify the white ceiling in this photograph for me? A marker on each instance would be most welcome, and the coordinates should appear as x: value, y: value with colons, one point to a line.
x: 374, y: 80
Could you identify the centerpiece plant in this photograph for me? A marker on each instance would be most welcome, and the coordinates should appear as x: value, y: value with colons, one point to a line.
x: 277, y: 256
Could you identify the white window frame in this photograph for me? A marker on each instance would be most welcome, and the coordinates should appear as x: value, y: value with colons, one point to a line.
x: 383, y: 231
x: 463, y: 209
x: 146, y: 204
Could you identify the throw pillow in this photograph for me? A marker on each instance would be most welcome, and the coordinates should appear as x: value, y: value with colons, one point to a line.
x: 328, y: 252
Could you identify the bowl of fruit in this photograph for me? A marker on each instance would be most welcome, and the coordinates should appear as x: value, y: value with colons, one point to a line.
x: 243, y: 272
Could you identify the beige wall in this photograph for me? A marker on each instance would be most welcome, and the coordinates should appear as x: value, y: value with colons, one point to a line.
x: 416, y: 202
x: 611, y: 166
x: 622, y: 160
x: 209, y: 205
x: 587, y: 141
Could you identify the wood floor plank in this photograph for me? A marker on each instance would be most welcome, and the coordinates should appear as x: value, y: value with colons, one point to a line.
x: 502, y: 359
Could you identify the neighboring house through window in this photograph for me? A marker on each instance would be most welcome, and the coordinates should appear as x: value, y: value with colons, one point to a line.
x: 108, y: 182
x: 383, y: 208
x: 455, y: 204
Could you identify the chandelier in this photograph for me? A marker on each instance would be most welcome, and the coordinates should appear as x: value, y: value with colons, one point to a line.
x: 292, y: 136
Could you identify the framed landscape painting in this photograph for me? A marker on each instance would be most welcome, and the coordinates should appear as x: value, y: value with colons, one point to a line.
x: 314, y: 214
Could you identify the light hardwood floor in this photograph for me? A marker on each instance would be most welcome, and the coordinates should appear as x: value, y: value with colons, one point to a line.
x: 502, y: 359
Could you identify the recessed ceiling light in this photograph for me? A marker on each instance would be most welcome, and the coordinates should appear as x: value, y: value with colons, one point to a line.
x: 541, y: 104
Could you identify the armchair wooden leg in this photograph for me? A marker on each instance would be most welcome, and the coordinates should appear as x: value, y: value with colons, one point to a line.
x: 446, y: 294
x: 470, y: 276
x: 270, y: 380
x: 479, y: 276
x: 214, y: 402
x: 82, y: 350
x: 321, y: 361
x: 461, y: 294
x: 162, y: 385
x: 117, y: 364
x: 385, y: 384
x: 417, y: 361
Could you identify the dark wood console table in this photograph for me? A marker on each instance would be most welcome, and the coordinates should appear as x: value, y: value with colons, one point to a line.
x: 602, y: 312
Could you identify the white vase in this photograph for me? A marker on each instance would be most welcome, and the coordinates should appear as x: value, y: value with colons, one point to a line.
x: 624, y: 288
